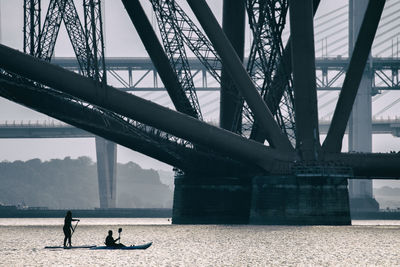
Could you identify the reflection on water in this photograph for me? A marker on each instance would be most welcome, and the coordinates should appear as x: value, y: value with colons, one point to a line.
x: 364, y: 243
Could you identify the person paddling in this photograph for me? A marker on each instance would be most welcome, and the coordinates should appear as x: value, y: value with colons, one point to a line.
x: 111, y: 242
x: 68, y: 227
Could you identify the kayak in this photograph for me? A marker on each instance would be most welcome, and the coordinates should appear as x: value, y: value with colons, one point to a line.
x: 73, y: 247
x: 144, y: 246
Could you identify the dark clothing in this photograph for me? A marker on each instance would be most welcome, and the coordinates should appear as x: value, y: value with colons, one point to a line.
x: 67, y: 228
x: 110, y: 241
x: 67, y: 231
x: 67, y: 221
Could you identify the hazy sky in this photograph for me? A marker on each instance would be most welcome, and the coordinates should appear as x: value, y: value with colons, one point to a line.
x: 122, y: 41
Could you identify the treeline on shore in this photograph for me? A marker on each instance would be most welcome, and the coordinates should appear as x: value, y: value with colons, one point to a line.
x: 72, y: 184
x: 388, y: 197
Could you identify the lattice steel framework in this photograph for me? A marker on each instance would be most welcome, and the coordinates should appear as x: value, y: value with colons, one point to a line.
x: 267, y: 19
x: 58, y: 11
x: 174, y: 46
x: 32, y: 24
x: 88, y: 44
x: 197, y: 42
x: 332, y: 150
x: 77, y: 36
x: 94, y: 40
x: 184, y: 29
x: 46, y: 41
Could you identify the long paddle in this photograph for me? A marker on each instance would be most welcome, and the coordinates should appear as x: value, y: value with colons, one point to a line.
x: 73, y: 229
x: 119, y: 235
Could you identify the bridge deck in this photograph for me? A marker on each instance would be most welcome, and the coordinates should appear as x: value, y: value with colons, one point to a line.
x: 45, y: 130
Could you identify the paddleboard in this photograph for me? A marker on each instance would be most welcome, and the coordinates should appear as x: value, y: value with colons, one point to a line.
x: 144, y: 246
x: 73, y: 247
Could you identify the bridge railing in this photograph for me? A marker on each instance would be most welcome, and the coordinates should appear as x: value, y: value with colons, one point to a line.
x: 33, y: 124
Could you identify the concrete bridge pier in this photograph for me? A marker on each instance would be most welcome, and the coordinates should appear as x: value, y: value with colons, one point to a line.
x: 201, y: 199
x: 292, y: 200
x: 271, y: 200
x: 106, y: 152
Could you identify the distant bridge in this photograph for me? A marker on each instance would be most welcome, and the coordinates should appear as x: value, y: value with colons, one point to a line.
x: 11, y: 130
x: 130, y: 73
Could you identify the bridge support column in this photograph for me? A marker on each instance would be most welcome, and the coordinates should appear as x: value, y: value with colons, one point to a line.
x: 106, y: 152
x: 292, y: 200
x: 360, y: 122
x: 211, y: 200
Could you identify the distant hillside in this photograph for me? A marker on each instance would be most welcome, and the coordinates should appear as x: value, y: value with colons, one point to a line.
x: 72, y: 183
x: 167, y: 177
x: 388, y: 197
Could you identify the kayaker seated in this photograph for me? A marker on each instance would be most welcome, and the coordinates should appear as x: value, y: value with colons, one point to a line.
x: 111, y: 242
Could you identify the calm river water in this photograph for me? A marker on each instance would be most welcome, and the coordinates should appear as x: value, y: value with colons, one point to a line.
x: 375, y: 243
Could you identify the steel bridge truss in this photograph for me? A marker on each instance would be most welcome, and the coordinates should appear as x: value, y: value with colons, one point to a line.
x: 32, y: 23
x: 174, y: 46
x: 88, y: 45
x: 95, y: 64
x: 176, y: 28
x: 267, y: 20
x: 384, y: 73
x: 265, y: 157
x: 130, y: 133
x: 138, y: 74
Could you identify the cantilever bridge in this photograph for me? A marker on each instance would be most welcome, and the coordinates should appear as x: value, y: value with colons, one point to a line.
x: 265, y: 163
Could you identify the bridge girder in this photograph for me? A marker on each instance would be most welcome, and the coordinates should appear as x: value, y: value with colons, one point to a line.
x: 113, y: 127
x: 226, y: 143
x: 284, y: 160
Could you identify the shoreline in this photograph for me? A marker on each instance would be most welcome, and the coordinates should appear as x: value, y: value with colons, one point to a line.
x: 85, y: 213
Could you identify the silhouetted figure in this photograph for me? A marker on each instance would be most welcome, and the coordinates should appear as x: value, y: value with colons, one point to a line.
x: 111, y: 242
x: 68, y: 227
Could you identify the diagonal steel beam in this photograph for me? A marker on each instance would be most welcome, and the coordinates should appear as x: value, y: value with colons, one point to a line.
x: 239, y: 75
x: 233, y: 25
x: 43, y: 101
x: 281, y: 78
x: 174, y: 47
x: 362, y: 48
x: 110, y: 126
x: 303, y: 64
x: 144, y: 111
x: 158, y: 57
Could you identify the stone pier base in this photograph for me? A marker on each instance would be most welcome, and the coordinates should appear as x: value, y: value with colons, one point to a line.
x: 290, y: 200
x: 211, y: 200
x: 276, y: 200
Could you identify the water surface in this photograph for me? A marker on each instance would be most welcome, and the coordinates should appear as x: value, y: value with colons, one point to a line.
x: 376, y: 243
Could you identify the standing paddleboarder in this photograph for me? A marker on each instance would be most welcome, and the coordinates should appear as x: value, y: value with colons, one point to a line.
x: 68, y: 227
